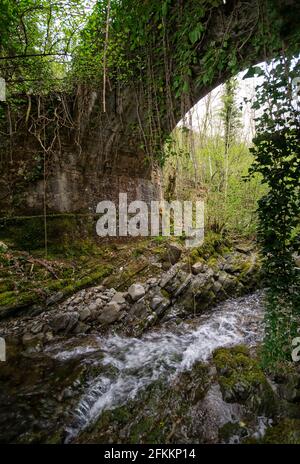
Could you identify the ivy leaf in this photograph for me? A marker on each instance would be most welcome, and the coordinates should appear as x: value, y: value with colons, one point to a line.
x: 186, y: 87
x: 195, y: 34
x: 165, y: 8
x: 253, y: 71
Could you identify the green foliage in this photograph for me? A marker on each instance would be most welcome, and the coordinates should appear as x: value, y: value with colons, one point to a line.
x: 212, y: 165
x: 230, y: 113
x: 277, y: 158
x: 286, y: 432
x: 160, y: 48
x: 166, y: 50
x: 36, y: 38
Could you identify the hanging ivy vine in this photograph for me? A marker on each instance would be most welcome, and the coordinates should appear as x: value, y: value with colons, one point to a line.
x: 276, y: 153
x: 170, y: 50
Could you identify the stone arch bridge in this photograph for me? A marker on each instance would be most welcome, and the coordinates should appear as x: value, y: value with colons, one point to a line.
x: 113, y: 156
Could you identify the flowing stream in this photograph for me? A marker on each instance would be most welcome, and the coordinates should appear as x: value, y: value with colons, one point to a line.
x: 159, y: 354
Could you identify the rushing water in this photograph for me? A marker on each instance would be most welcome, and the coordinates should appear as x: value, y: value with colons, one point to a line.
x: 136, y: 363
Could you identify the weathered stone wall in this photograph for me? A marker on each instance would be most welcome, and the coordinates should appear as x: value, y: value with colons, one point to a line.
x: 94, y: 159
x: 68, y: 189
x: 71, y: 190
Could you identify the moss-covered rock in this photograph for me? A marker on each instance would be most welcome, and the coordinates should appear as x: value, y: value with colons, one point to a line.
x: 54, y: 290
x: 214, y: 246
x: 242, y: 380
x: 159, y: 414
x: 232, y: 432
x: 286, y: 432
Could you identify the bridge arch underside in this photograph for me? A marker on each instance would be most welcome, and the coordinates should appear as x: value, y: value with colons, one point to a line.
x: 103, y: 154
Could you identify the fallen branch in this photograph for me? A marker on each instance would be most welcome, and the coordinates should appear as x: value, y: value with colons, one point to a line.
x: 44, y: 264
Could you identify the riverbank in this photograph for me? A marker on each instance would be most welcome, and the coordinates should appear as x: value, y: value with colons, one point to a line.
x: 164, y: 349
x: 138, y: 286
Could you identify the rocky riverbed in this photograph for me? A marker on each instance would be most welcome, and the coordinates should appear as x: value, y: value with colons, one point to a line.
x: 169, y: 359
x: 182, y: 291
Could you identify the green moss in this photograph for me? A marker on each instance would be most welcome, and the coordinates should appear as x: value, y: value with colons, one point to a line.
x: 212, y: 262
x: 160, y: 239
x: 214, y: 246
x: 121, y: 415
x: 33, y: 437
x: 230, y: 430
x: 27, y: 233
x: 194, y: 256
x: 137, y: 252
x: 12, y: 302
x: 250, y: 271
x: 164, y: 293
x: 159, y: 251
x: 7, y: 298
x: 22, y: 234
x: 6, y: 285
x: 93, y: 278
x: 242, y: 380
x: 287, y: 432
x: 195, y: 383
x: 56, y: 439
x: 146, y: 431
